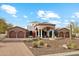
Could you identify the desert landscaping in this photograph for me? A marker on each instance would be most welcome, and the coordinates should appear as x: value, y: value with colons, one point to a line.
x: 25, y: 47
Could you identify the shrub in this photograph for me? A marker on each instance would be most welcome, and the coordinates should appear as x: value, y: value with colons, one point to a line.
x: 35, y: 44
x: 73, y: 35
x: 35, y: 39
x: 40, y: 42
x: 72, y: 45
x: 39, y: 38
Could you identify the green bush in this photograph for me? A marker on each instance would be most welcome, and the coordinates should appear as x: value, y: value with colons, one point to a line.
x: 35, y: 44
x: 72, y: 45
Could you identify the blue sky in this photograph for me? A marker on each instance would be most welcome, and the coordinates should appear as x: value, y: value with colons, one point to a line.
x: 21, y: 14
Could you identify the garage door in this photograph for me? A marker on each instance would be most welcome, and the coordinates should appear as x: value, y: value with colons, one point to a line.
x: 61, y: 34
x: 20, y: 34
x: 12, y: 34
x: 67, y: 34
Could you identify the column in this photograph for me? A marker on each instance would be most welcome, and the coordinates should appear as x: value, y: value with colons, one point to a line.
x: 38, y: 33
x: 64, y: 35
x: 25, y: 35
x: 35, y: 33
x: 48, y: 33
x: 41, y: 33
x: 16, y: 34
x: 52, y: 33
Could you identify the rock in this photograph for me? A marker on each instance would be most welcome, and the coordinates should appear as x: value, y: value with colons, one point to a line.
x: 51, y: 38
x: 65, y: 46
x: 30, y: 47
x: 46, y: 45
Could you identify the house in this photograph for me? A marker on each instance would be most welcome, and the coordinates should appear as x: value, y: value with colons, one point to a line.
x: 43, y: 30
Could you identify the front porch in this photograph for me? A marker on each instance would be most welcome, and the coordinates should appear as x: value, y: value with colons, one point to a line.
x: 45, y: 32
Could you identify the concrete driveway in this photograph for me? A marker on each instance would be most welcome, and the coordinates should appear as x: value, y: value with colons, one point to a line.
x: 14, y: 49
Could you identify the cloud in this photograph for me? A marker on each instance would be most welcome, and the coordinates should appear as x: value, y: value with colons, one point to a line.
x: 9, y: 9
x: 47, y: 14
x: 14, y: 15
x: 25, y: 16
x: 55, y: 22
x: 72, y: 20
x: 76, y: 15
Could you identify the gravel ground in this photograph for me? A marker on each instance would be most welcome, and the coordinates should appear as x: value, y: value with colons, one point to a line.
x: 56, y: 47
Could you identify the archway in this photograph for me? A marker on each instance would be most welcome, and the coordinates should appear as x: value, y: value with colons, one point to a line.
x: 30, y: 33
x: 50, y: 34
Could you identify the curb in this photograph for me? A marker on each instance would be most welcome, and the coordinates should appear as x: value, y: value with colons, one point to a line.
x: 63, y: 54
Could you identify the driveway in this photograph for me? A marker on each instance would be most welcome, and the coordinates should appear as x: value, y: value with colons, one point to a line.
x: 14, y: 49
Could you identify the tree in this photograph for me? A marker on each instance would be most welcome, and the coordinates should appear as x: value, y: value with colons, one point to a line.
x: 9, y: 25
x: 3, y: 25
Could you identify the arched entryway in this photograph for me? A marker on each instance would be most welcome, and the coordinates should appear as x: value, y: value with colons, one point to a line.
x: 20, y: 34
x: 12, y: 34
x: 44, y: 34
x: 30, y: 33
x: 50, y: 34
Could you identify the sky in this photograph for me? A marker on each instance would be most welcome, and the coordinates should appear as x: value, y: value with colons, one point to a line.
x: 21, y: 14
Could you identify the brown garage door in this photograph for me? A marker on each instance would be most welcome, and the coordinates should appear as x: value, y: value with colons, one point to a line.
x: 12, y: 34
x: 67, y: 34
x: 61, y: 34
x: 20, y: 34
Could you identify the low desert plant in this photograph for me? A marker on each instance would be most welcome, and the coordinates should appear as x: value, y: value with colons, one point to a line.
x: 72, y: 45
x: 35, y: 39
x: 35, y: 44
x: 39, y: 38
x: 40, y: 42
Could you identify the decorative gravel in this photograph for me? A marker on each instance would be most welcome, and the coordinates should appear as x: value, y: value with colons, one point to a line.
x: 55, y: 47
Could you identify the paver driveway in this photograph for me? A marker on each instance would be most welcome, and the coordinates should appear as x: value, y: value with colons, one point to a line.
x: 14, y: 49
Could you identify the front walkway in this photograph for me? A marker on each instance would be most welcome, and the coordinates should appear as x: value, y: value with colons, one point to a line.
x: 14, y: 49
